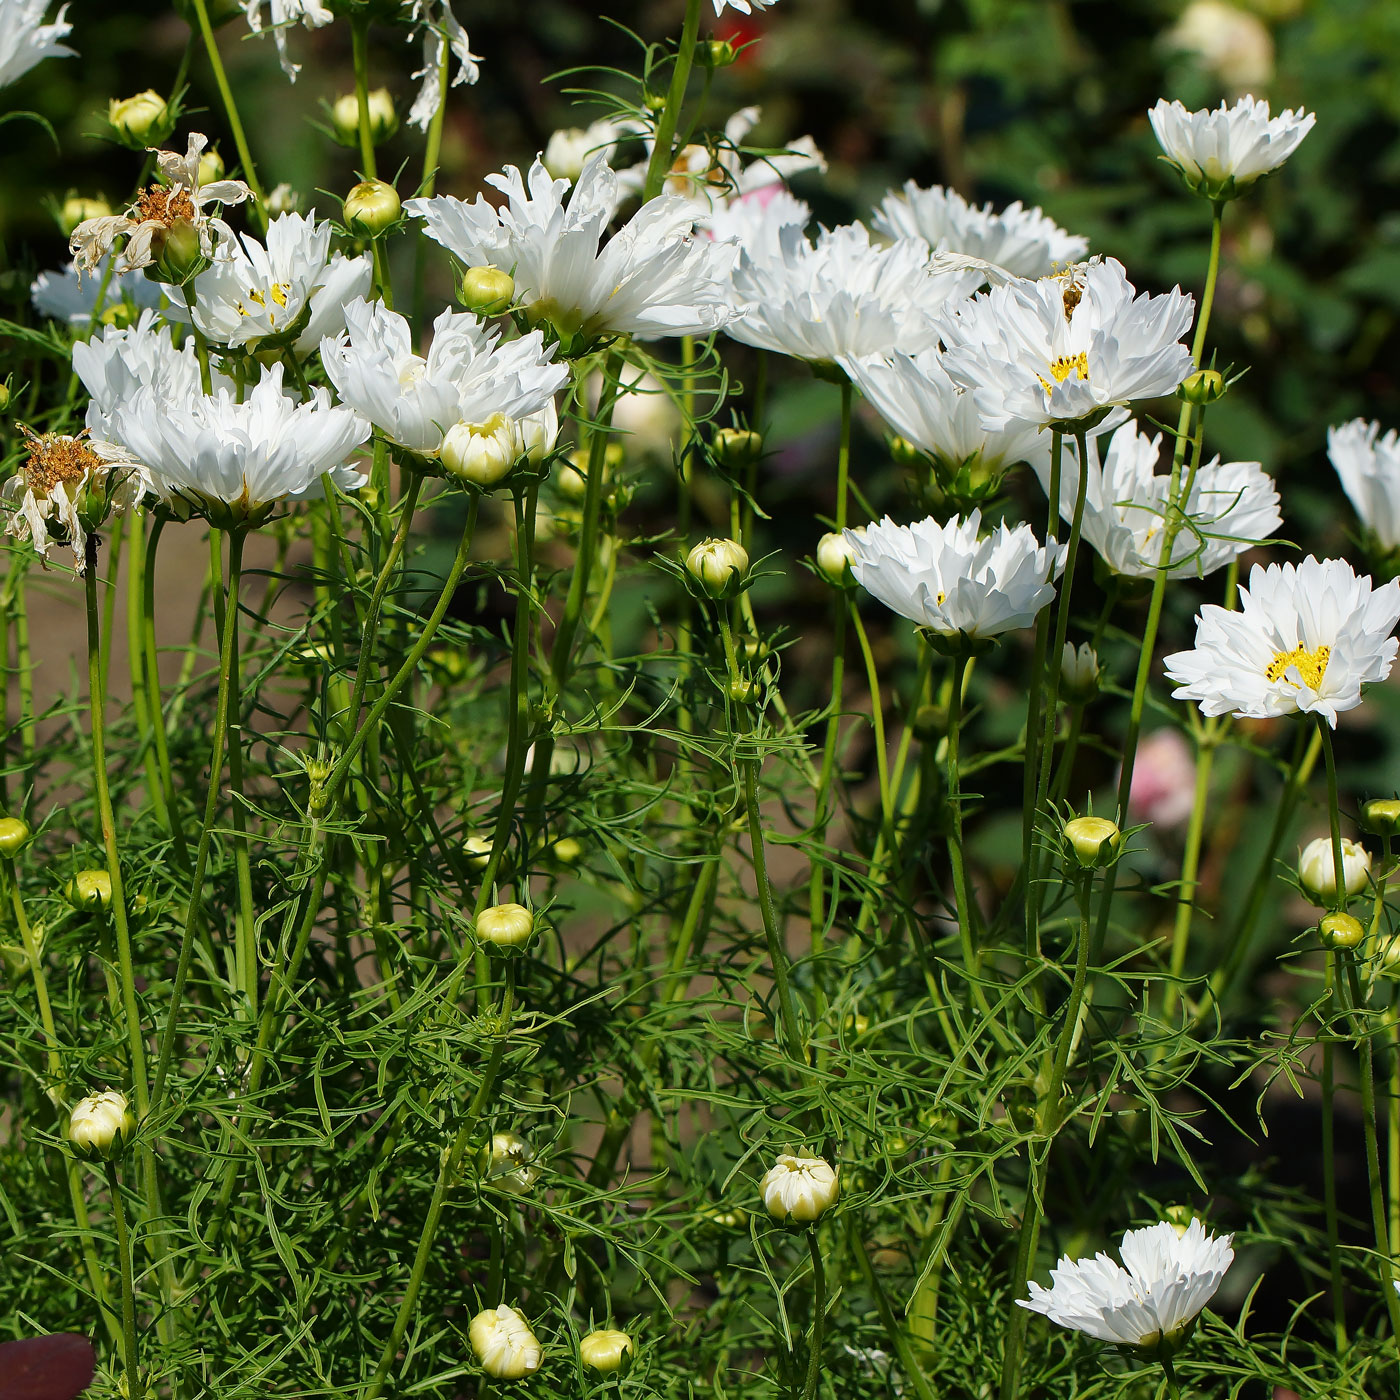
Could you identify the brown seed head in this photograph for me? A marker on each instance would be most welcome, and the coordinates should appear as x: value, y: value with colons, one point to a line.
x: 55, y: 458
x: 164, y: 204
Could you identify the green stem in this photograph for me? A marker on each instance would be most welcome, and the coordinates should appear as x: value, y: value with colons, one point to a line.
x: 661, y: 152
x: 814, y: 1354
x: 1190, y: 865
x: 359, y: 48
x: 961, y: 891
x: 156, y: 709
x: 34, y: 955
x: 247, y: 931
x: 1329, y: 1174
x: 134, y: 1386
x: 245, y: 156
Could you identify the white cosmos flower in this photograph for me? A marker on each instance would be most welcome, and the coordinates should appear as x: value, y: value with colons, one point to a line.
x: 1232, y: 505
x: 467, y: 377
x: 114, y: 365
x: 1162, y: 1285
x: 1062, y: 349
x: 745, y: 7
x: 260, y: 291
x: 652, y: 277
x: 1369, y: 468
x: 1219, y: 153
x: 181, y: 199
x: 915, y: 396
x: 283, y: 14
x: 504, y: 1344
x: 442, y: 35
x: 946, y: 579
x: 26, y: 40
x: 753, y: 224
x: 66, y: 297
x: 236, y: 460
x: 842, y: 296
x: 1305, y: 637
x: 1024, y: 242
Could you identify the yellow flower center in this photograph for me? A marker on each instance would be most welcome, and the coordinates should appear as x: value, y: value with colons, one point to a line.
x: 277, y: 294
x: 1065, y: 365
x: 1310, y: 665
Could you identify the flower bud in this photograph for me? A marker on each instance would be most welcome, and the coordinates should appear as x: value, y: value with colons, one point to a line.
x: 931, y: 722
x: 211, y: 167
x: 736, y: 448
x: 718, y: 566
x: 4, y: 396
x: 506, y: 926
x: 1388, y: 960
x: 100, y: 1125
x: 504, y: 1344
x: 486, y: 290
x: 905, y: 453
x: 799, y: 1188
x: 834, y: 558
x: 89, y: 889
x: 140, y: 121
x: 717, y: 53
x: 482, y: 454
x: 178, y: 256
x: 605, y: 1350
x: 77, y: 210
x: 281, y: 199
x: 1202, y: 387
x: 372, y: 207
x: 1382, y: 815
x: 566, y: 151
x: 1079, y: 673
x: 1094, y: 840
x: 345, y: 117
x: 508, y: 1163
x: 568, y: 851
x: 743, y: 691
x: 1341, y: 931
x: 14, y: 833
x: 478, y: 852
x: 1317, y: 869
x: 1179, y: 1218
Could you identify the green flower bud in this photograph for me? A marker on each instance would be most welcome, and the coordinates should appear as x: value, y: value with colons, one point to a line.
x: 568, y: 851
x: 1382, y: 816
x: 76, y: 210
x: 1341, y: 931
x: 1202, y: 387
x: 931, y: 722
x: 905, y: 453
x: 606, y: 1350
x: 372, y: 207
x: 507, y: 1162
x: 14, y: 833
x: 90, y: 889
x: 719, y: 567
x: 1179, y: 1218
x: 140, y: 121
x: 717, y: 53
x: 101, y: 1125
x: 737, y: 448
x: 505, y: 926
x: 835, y: 556
x: 478, y: 851
x: 486, y: 290
x: 1094, y: 840
x: 178, y: 256
x: 211, y: 167
x: 743, y: 691
x: 345, y: 117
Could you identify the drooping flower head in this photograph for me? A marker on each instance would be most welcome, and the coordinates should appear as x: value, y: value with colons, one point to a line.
x: 652, y: 277
x: 1221, y: 153
x: 1231, y: 506
x: 950, y: 581
x: 1305, y: 637
x: 1150, y: 1299
x: 1024, y: 242
x: 443, y: 35
x: 283, y: 14
x: 1062, y: 350
x: 26, y: 40
x: 1369, y: 468
x: 170, y: 224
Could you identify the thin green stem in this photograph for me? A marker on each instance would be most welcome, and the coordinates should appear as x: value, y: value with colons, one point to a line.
x: 814, y: 1353
x: 155, y: 707
x: 359, y: 48
x: 1190, y: 866
x: 1329, y: 1172
x: 661, y: 151
x: 245, y: 156
x: 135, y: 1388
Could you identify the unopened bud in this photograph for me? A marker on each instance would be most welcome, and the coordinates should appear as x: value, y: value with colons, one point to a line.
x: 719, y: 567
x: 1341, y: 931
x: 100, y: 1125
x: 486, y: 290
x: 717, y: 53
x: 1317, y: 869
x: 507, y: 1162
x: 1388, y: 960
x: 568, y: 851
x: 504, y: 1344
x: 835, y: 556
x: 506, y: 926
x: 90, y: 889
x: 281, y: 199
x: 1094, y: 840
x: 345, y: 117
x: 743, y: 691
x: 1202, y: 387
x: 799, y: 1188
x: 14, y: 833
x: 1079, y: 673
x: 482, y: 454
x: 1382, y: 815
x: 4, y: 396
x: 178, y: 256
x: 904, y: 452
x: 211, y: 167
x: 1179, y: 1218
x: 372, y: 207
x: 605, y: 1350
x: 478, y: 852
x: 931, y: 722
x: 736, y: 448
x: 140, y: 121
x: 76, y: 210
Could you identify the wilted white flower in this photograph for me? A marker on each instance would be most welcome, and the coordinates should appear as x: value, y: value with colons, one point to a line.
x: 799, y: 1188
x: 1220, y: 153
x: 176, y: 211
x: 1231, y: 506
x: 99, y: 1123
x: 467, y: 376
x: 1232, y: 43
x: 234, y: 461
x: 568, y: 150
x: 1305, y: 637
x: 283, y: 14
x: 843, y: 297
x: 261, y: 291
x: 66, y: 297
x: 1063, y: 349
x: 652, y: 277
x: 1317, y: 870
x: 946, y: 579
x: 1148, y: 1301
x: 1369, y: 468
x: 26, y: 40
x: 504, y: 1344
x: 442, y: 35
x: 915, y: 396
x: 1024, y: 242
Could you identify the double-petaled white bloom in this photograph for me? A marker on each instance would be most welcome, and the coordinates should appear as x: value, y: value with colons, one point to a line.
x: 1150, y: 1299
x: 504, y: 1344
x: 1369, y: 467
x: 1220, y: 153
x: 114, y: 365
x: 745, y: 7
x: 843, y: 296
x: 179, y: 209
x: 66, y: 297
x: 953, y: 583
x: 915, y: 396
x: 652, y: 277
x: 26, y: 40
x: 799, y: 1188
x: 1063, y: 349
x: 283, y: 14
x: 443, y: 36
x: 1022, y: 242
x: 1304, y: 637
x: 1231, y: 506
x: 235, y: 461
x: 467, y: 378
x: 568, y: 150
x: 261, y: 291
x: 753, y: 224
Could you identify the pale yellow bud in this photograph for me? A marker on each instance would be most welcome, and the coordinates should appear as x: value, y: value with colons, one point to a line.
x: 1317, y: 871
x: 506, y: 925
x: 77, y: 210
x: 100, y: 1125
x: 736, y: 448
x: 14, y: 833
x: 1341, y: 931
x: 140, y: 121
x: 383, y: 120
x: 1382, y: 815
x: 508, y: 1163
x: 211, y: 167
x: 1094, y: 840
x: 718, y: 566
x: 482, y: 454
x: 605, y: 1350
x: 478, y: 851
x: 371, y: 207
x: 504, y: 1344
x: 835, y: 556
x: 799, y: 1188
x: 90, y: 889
x: 487, y: 290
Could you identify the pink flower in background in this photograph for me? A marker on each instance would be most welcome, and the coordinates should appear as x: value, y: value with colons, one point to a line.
x: 1164, y: 780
